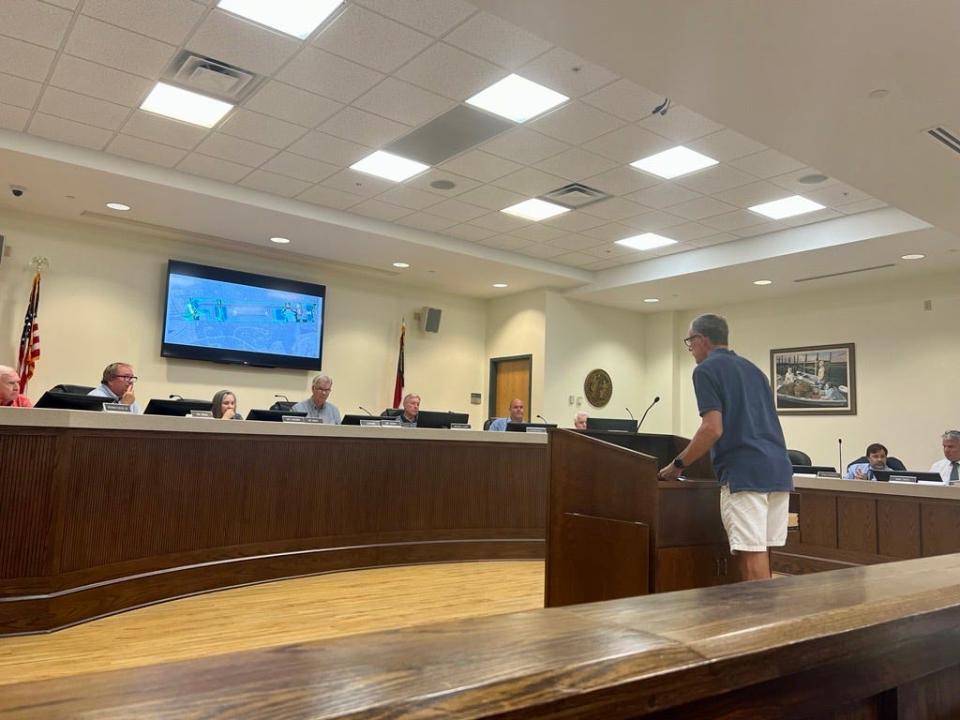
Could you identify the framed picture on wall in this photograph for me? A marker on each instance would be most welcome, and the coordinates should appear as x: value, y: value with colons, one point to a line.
x: 814, y: 380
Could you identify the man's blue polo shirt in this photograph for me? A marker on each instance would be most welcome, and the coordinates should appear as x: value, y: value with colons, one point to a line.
x: 751, y: 454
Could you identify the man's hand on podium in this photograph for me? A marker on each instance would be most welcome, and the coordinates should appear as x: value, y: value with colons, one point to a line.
x: 669, y: 472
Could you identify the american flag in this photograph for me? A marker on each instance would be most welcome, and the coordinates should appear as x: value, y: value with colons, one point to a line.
x: 30, y: 340
x: 398, y: 383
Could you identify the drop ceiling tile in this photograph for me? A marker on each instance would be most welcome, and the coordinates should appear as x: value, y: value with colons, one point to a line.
x: 379, y: 210
x: 299, y: 167
x: 791, y: 181
x: 672, y: 249
x: 530, y: 182
x: 725, y: 145
x: 575, y: 123
x: 680, y: 124
x: 737, y: 220
x: 273, y: 183
x: 752, y: 194
x: 460, y: 183
x: 628, y: 144
x: 99, y: 81
x: 214, y: 168
x: 762, y: 229
x: 25, y: 60
x: 506, y: 242
x: 574, y: 259
x: 18, y: 91
x: 622, y: 180
x: 118, y: 48
x: 663, y: 195
x: 170, y: 21
x: 625, y: 100
x: 454, y: 209
x: 358, y: 183
x: 766, y: 163
x: 610, y: 251
x: 364, y: 128
x: 145, y: 151
x: 608, y: 263
x: 469, y: 231
x: 164, y: 131
x: 403, y: 102
x: 500, y: 222
x: 538, y: 232
x: 555, y: 70
x: 608, y: 233
x: 13, y: 118
x: 575, y: 221
x: 862, y: 206
x: 450, y: 72
x: 426, y: 221
x: 717, y: 239
x: 655, y: 221
x: 245, y: 44
x: 481, y: 166
x: 320, y: 146
x: 544, y: 252
x: 813, y: 217
x: 35, y: 22
x: 575, y: 164
x: 836, y: 195
x: 371, y: 39
x: 701, y: 208
x: 235, y: 150
x: 614, y: 209
x: 329, y: 197
x: 68, y: 4
x: 329, y: 75
x: 497, y: 40
x: 81, y: 108
x: 524, y: 146
x: 689, y: 231
x: 576, y: 241
x: 67, y: 131
x: 292, y: 104
x: 714, y: 179
x: 434, y: 17
x: 410, y: 197
x: 262, y: 129
x: 491, y: 197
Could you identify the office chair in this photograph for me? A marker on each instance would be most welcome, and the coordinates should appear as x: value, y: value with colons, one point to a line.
x: 71, y: 389
x: 798, y: 457
x: 488, y: 422
x: 892, y: 462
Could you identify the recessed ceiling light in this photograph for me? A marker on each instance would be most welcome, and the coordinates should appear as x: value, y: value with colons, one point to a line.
x: 401, y: 265
x: 763, y: 282
x: 536, y: 210
x: 517, y: 98
x: 118, y: 206
x: 646, y: 241
x: 674, y: 162
x: 651, y: 300
x: 280, y: 240
x: 293, y: 17
x: 912, y: 256
x: 389, y: 166
x: 184, y: 105
x: 787, y: 207
x: 500, y: 285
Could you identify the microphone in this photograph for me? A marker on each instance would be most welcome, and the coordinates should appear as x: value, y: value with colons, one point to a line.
x: 365, y: 410
x: 629, y: 413
x: 840, y: 452
x: 176, y: 397
x: 541, y: 417
x: 284, y: 397
x: 655, y: 401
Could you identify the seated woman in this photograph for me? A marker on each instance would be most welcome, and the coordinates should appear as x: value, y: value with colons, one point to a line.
x: 225, y: 406
x: 876, y: 456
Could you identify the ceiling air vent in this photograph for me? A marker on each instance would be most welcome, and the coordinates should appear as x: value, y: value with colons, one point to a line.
x: 845, y: 272
x: 946, y: 137
x: 575, y: 195
x: 212, y: 77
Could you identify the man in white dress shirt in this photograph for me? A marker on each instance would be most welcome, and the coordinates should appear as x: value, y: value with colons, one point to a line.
x: 949, y: 467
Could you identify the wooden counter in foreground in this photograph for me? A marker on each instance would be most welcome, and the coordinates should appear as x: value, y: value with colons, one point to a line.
x: 880, y: 642
x: 102, y: 512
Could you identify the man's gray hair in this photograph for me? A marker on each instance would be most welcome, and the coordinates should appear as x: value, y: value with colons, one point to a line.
x: 7, y: 370
x: 319, y: 379
x: 951, y: 435
x: 112, y: 370
x: 712, y: 327
x: 410, y: 396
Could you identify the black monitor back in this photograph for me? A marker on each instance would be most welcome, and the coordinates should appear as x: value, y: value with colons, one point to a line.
x: 926, y: 476
x: 617, y: 424
x: 812, y: 469
x: 176, y: 408
x: 435, y: 419
x: 71, y: 401
x: 392, y: 412
x: 522, y: 426
x: 272, y: 415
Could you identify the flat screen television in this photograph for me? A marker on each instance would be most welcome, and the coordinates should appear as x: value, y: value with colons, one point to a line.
x: 236, y: 317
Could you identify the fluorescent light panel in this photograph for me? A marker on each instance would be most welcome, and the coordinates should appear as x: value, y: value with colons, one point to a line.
x: 517, y: 99
x: 535, y: 210
x: 646, y: 241
x: 181, y: 104
x: 674, y: 162
x: 389, y: 166
x: 293, y: 17
x: 787, y: 207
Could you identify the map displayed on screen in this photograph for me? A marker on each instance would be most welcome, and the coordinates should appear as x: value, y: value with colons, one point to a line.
x: 215, y: 314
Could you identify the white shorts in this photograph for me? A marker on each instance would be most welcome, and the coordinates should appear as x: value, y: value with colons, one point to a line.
x: 754, y: 521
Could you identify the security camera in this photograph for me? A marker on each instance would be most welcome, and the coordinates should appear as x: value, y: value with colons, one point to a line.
x: 17, y: 190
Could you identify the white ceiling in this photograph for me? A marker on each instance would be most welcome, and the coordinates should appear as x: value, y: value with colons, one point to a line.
x: 75, y: 71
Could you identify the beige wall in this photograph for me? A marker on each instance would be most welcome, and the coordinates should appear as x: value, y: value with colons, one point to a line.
x: 516, y: 325
x: 102, y: 300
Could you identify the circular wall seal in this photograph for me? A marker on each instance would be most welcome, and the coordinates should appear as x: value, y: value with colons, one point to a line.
x: 598, y: 387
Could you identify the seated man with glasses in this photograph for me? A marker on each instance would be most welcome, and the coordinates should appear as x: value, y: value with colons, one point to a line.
x: 117, y: 385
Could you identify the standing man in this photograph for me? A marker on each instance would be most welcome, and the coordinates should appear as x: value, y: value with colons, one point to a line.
x: 116, y: 384
x: 516, y: 415
x: 411, y: 408
x: 316, y: 406
x: 739, y: 426
x: 10, y: 395
x: 949, y: 467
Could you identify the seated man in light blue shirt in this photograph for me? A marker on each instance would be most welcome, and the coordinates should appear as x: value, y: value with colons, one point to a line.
x: 116, y: 385
x: 317, y: 406
x: 516, y: 415
x: 876, y: 455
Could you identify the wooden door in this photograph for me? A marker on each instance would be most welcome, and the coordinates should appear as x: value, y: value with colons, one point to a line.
x: 509, y: 379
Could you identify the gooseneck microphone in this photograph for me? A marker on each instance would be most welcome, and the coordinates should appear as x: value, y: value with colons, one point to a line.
x: 629, y: 413
x: 840, y: 453
x: 541, y: 417
x: 282, y: 397
x: 174, y: 396
x: 655, y: 401
x: 365, y: 410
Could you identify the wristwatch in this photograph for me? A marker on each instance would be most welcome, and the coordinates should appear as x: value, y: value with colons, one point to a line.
x: 678, y: 463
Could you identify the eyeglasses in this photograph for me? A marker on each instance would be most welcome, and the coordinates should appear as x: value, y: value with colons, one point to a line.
x: 688, y: 341
x: 131, y: 378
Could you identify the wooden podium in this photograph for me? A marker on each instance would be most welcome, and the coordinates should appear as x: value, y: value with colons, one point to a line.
x: 614, y: 530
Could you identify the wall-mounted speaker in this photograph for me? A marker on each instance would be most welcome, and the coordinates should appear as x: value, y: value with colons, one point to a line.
x: 430, y: 319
